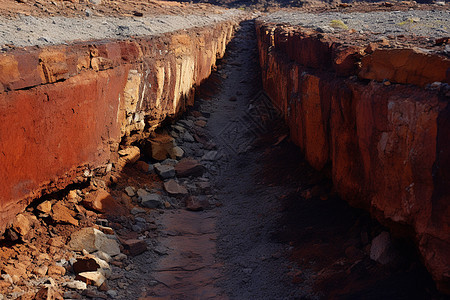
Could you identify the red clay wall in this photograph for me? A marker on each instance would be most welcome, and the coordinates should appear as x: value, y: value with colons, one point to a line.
x: 388, y: 146
x: 64, y: 109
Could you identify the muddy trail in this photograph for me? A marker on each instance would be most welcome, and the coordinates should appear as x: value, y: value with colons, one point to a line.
x: 259, y: 222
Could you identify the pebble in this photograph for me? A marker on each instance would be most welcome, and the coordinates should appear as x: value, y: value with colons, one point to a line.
x: 188, y: 137
x: 76, y: 285
x: 137, y: 210
x: 173, y: 188
x: 131, y: 191
x: 112, y: 293
x: 165, y: 171
x: 211, y: 155
x: 120, y: 257
x: 178, y: 152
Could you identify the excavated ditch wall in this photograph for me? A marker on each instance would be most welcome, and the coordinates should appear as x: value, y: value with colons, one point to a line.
x: 388, y: 147
x: 65, y: 109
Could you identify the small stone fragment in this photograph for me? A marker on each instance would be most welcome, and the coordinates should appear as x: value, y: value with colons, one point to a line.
x: 134, y: 247
x: 165, y: 171
x: 189, y: 167
x: 151, y: 200
x: 91, y: 278
x: 62, y: 214
x: 382, y: 250
x: 178, y: 152
x: 85, y: 264
x: 173, y: 188
x: 48, y: 293
x: 76, y: 285
x: 130, y: 154
x: 131, y: 191
x: 21, y: 225
x: 45, y: 207
x: 56, y: 271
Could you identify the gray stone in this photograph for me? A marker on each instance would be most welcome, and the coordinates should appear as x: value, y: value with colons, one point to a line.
x: 112, y: 293
x: 382, y: 250
x: 165, y: 171
x: 211, y: 155
x: 188, y: 137
x: 186, y: 123
x: 103, y: 256
x: 137, y: 210
x: 151, y: 200
x: 179, y: 129
x: 169, y: 162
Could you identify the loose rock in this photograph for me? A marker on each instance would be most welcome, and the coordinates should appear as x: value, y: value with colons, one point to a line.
x: 134, y: 247
x: 173, y: 188
x: 91, y: 240
x: 189, y: 167
x: 165, y: 171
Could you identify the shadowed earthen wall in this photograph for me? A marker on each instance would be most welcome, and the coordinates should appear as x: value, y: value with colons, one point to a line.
x: 388, y: 146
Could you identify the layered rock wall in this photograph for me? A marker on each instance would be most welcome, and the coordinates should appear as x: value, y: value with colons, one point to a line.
x: 387, y: 144
x: 65, y: 109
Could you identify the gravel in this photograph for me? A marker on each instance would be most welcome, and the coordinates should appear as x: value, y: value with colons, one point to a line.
x: 418, y: 22
x: 29, y: 31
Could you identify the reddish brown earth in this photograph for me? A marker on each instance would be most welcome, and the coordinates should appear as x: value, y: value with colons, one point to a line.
x: 74, y: 104
x: 383, y: 144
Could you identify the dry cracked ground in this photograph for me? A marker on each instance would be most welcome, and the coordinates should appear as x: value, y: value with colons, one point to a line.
x: 234, y: 213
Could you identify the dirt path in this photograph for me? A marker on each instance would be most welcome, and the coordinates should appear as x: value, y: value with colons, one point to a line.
x: 227, y: 251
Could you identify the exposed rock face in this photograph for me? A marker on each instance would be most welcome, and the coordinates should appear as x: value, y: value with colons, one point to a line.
x: 387, y: 146
x: 66, y: 108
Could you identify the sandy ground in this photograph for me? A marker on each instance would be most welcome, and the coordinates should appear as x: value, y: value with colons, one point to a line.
x: 433, y: 24
x: 29, y: 30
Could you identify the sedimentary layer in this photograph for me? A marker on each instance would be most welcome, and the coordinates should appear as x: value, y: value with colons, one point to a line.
x: 375, y: 115
x: 66, y: 108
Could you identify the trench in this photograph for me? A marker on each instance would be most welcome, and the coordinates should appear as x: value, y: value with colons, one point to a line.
x: 269, y: 226
x: 259, y: 223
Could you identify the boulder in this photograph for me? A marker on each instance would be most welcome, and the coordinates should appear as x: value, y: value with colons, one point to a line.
x: 91, y: 240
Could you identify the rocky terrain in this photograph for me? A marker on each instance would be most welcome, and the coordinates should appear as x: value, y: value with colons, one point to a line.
x: 208, y: 207
x: 359, y: 108
x: 150, y: 163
